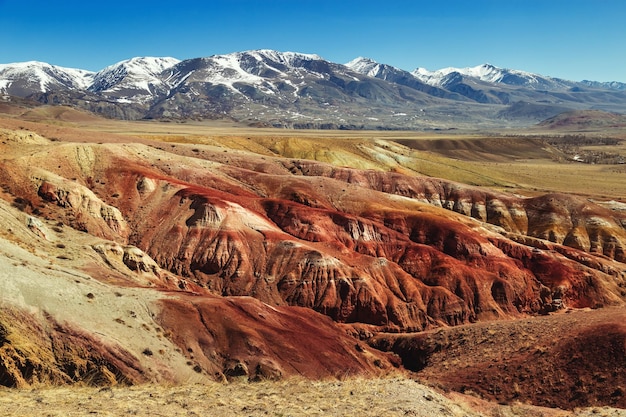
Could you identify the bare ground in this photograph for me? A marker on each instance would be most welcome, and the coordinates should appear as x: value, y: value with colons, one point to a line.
x: 564, y: 360
x: 293, y: 397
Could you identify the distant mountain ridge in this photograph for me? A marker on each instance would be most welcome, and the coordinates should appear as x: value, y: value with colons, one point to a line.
x: 24, y: 78
x: 491, y: 74
x: 289, y: 89
x: 614, y: 85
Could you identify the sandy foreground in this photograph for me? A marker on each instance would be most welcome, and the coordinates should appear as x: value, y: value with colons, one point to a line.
x: 353, y: 397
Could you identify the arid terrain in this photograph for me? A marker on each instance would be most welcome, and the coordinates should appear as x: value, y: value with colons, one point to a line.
x: 158, y: 261
x: 291, y: 397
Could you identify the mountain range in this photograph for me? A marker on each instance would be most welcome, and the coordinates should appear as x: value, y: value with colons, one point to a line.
x: 286, y: 89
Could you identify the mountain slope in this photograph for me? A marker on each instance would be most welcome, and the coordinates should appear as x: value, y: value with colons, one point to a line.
x: 493, y: 75
x: 24, y: 79
x: 133, y: 79
x: 613, y: 85
x: 538, y: 97
x: 295, y: 90
x: 585, y: 120
x: 288, y: 89
x: 397, y: 76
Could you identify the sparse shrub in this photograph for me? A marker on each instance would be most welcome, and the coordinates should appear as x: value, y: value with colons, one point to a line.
x: 22, y: 204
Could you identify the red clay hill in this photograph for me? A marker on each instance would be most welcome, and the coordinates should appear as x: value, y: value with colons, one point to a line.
x: 257, y: 252
x: 393, y: 252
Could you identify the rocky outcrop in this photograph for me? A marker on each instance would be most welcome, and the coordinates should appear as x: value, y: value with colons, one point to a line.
x: 138, y: 268
x: 564, y: 219
x: 22, y: 138
x: 84, y: 210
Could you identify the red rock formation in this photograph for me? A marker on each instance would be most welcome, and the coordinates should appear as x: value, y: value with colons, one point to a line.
x: 370, y: 247
x: 153, y: 262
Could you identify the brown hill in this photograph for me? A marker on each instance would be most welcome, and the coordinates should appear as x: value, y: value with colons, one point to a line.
x: 585, y: 120
x: 223, y: 262
x: 368, y: 247
x: 563, y: 360
x: 338, y: 240
x: 79, y: 309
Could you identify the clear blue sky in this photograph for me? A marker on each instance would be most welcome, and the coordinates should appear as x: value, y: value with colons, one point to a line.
x: 569, y: 39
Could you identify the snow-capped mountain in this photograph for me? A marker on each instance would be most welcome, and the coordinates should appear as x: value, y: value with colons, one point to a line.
x: 371, y: 68
x: 612, y: 85
x: 282, y: 85
x: 491, y: 74
x: 292, y: 89
x: 134, y: 77
x: 395, y: 75
x: 252, y: 68
x: 25, y: 78
x: 440, y: 78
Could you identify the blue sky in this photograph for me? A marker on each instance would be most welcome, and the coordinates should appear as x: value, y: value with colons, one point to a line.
x: 569, y: 39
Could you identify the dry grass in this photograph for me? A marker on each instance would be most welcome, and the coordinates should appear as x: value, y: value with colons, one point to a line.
x: 534, y: 177
x: 393, y: 397
x: 293, y: 397
x: 524, y: 175
x: 530, y: 174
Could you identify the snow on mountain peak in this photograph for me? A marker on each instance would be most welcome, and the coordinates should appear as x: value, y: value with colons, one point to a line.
x: 227, y: 69
x: 147, y: 64
x: 361, y: 61
x: 151, y: 66
x: 485, y: 72
x: 139, y: 73
x: 365, y: 66
x: 490, y: 74
x: 283, y: 57
x: 43, y: 74
x: 255, y: 67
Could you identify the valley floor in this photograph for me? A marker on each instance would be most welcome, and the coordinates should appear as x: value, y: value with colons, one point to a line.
x: 293, y: 397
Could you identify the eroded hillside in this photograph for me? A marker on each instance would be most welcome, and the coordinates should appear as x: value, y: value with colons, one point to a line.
x: 390, y: 250
x: 254, y: 260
